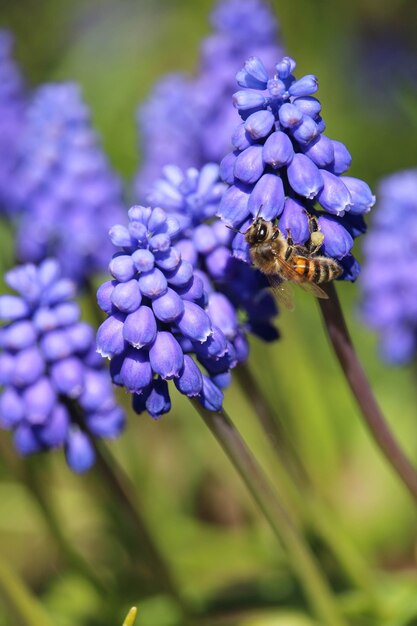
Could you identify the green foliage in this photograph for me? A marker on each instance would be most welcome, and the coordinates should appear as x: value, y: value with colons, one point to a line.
x: 220, y: 551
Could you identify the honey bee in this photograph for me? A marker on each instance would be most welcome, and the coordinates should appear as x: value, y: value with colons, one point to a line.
x: 284, y: 262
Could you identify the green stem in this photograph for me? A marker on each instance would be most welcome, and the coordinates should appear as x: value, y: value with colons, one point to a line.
x: 121, y: 489
x: 352, y: 369
x: 74, y: 558
x: 299, y: 554
x: 318, y: 513
x: 21, y: 600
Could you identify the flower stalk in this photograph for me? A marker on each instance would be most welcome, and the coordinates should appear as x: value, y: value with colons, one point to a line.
x: 340, y: 339
x: 281, y: 523
x: 315, y: 510
x: 117, y: 482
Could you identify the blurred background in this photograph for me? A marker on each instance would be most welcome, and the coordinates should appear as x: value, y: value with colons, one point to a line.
x: 219, y: 549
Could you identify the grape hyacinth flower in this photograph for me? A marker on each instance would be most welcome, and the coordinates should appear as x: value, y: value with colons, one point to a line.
x: 157, y: 319
x: 12, y: 112
x: 237, y: 298
x: 56, y: 392
x: 68, y: 195
x: 283, y: 166
x: 187, y: 121
x: 389, y: 278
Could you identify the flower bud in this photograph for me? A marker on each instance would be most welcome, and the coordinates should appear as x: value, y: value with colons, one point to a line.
x: 304, y: 176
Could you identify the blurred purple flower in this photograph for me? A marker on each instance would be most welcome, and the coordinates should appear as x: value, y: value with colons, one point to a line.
x: 12, y: 112
x: 188, y: 121
x: 282, y: 164
x: 156, y: 305
x: 64, y: 187
x: 389, y: 276
x: 55, y: 390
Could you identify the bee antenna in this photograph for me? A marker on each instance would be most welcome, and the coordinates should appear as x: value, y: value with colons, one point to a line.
x: 259, y: 210
x: 234, y: 229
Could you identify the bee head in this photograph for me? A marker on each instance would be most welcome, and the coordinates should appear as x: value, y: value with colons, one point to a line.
x: 258, y: 232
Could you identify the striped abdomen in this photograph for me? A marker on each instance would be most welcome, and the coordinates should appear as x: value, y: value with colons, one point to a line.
x: 319, y: 269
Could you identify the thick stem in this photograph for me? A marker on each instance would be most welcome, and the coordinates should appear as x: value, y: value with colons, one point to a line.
x: 355, y: 376
x: 317, y: 511
x: 272, y: 427
x: 118, y: 484
x: 35, y: 483
x: 26, y: 607
x: 300, y: 556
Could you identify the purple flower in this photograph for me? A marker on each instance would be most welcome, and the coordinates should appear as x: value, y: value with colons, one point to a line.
x: 238, y: 302
x: 389, y: 275
x: 157, y: 307
x: 283, y: 166
x: 55, y: 393
x: 187, y: 121
x: 12, y: 113
x: 64, y: 187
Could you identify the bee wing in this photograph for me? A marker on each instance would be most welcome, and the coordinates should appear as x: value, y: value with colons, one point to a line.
x: 282, y: 291
x: 292, y: 275
x: 314, y: 289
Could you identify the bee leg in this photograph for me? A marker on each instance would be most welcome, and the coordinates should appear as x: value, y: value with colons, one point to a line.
x: 290, y: 245
x: 290, y: 240
x: 316, y: 236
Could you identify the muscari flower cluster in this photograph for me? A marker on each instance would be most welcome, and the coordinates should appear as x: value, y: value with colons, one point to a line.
x: 188, y: 121
x: 157, y: 327
x: 238, y: 301
x: 283, y: 165
x: 64, y: 187
x: 12, y: 112
x: 55, y: 390
x: 389, y: 276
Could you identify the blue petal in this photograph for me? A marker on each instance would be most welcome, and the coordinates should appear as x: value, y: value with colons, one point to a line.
x: 240, y: 139
x: 166, y: 356
x: 294, y: 217
x: 321, y: 151
x: 168, y: 307
x: 249, y: 165
x: 211, y: 397
x: 233, y: 208
x: 54, y: 432
x: 122, y: 268
x: 29, y: 365
x: 135, y: 372
x: 337, y: 241
x: 305, y: 132
x: 143, y: 260
x: 308, y: 105
x: 182, y: 275
x: 289, y: 115
x: 12, y: 408
x: 79, y: 451
x: 259, y: 124
x: 110, y: 340
x: 306, y: 86
x: 139, y: 328
x: 304, y: 176
x: 18, y: 335
x: 127, y: 296
x: 342, y: 158
x: 68, y: 376
x: 120, y: 236
x: 153, y: 284
x: 278, y: 150
x: 362, y: 198
x: 222, y: 314
x: 334, y: 197
x: 190, y: 380
x: 248, y: 99
x: 158, y: 402
x: 13, y: 307
x: 267, y: 197
x: 104, y: 296
x: 39, y: 400
x: 194, y: 322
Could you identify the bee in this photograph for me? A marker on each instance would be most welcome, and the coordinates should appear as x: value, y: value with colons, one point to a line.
x: 284, y: 262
